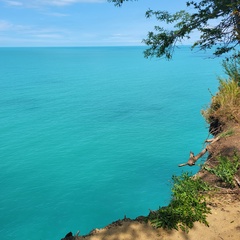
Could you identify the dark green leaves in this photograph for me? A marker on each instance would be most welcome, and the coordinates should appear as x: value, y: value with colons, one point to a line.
x: 226, y: 169
x: 119, y: 3
x: 218, y: 23
x: 187, y: 206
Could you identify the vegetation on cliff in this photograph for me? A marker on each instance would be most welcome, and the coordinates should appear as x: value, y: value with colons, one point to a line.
x: 188, y: 202
x: 224, y: 109
x: 187, y: 206
x: 222, y: 169
x: 223, y: 116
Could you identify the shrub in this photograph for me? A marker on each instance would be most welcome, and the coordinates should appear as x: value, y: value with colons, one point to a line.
x: 187, y: 206
x: 226, y: 169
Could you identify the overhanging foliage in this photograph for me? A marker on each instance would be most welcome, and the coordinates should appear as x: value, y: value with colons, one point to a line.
x: 217, y: 21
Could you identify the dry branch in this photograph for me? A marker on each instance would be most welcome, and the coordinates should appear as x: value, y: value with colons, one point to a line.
x: 237, y: 181
x: 192, y: 159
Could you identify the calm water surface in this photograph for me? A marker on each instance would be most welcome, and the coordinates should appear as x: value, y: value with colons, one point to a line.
x: 89, y: 135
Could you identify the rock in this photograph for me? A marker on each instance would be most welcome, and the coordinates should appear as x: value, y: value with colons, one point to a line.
x: 68, y: 236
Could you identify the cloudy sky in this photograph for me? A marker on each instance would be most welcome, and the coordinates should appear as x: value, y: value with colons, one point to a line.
x: 77, y: 22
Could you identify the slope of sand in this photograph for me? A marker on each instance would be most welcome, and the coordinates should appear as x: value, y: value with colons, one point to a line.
x: 224, y: 225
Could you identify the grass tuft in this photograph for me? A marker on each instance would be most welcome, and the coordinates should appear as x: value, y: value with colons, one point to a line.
x: 225, y: 105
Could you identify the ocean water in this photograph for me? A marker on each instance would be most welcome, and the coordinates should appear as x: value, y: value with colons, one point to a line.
x: 89, y: 135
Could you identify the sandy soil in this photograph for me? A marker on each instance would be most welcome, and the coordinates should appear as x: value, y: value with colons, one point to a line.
x: 224, y: 225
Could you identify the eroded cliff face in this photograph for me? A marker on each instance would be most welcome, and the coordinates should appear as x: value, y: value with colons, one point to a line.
x: 225, y: 203
x: 224, y: 219
x: 228, y: 145
x: 223, y: 116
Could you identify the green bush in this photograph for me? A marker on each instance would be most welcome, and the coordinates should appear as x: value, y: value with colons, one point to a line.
x: 226, y: 169
x: 187, y: 206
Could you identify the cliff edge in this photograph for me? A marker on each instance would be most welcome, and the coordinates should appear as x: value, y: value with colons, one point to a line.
x: 224, y: 220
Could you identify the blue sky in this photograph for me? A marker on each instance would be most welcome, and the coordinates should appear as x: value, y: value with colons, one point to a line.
x: 77, y: 22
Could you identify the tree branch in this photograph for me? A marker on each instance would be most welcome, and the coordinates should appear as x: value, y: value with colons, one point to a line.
x: 192, y: 159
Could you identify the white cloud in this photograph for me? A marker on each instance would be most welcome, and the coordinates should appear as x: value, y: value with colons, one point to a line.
x: 48, y: 36
x: 38, y: 3
x: 56, y: 14
x: 14, y: 3
x: 5, y: 25
x: 31, y: 31
x: 69, y: 2
x: 38, y: 32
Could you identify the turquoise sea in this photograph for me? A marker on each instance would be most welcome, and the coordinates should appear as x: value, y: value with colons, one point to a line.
x: 88, y: 135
